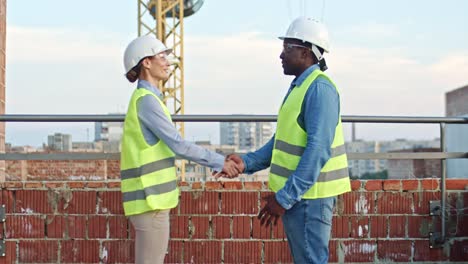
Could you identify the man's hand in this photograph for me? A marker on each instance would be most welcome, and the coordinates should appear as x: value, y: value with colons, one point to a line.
x: 271, y: 211
x: 230, y: 170
x: 238, y: 160
x: 233, y: 165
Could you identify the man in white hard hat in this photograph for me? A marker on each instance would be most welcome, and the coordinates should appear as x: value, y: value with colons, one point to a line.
x: 149, y: 145
x: 306, y: 156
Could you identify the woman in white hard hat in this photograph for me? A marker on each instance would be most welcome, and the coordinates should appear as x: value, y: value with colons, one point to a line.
x: 149, y: 145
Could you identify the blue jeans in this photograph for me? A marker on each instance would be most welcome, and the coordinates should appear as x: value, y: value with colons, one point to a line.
x: 308, y: 226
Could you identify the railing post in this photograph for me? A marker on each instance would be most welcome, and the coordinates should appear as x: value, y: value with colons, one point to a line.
x: 438, y: 208
x: 442, y: 182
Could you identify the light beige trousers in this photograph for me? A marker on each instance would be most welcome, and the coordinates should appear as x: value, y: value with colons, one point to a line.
x: 151, y: 236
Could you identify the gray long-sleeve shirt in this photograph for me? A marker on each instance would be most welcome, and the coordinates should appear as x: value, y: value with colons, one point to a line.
x: 156, y: 126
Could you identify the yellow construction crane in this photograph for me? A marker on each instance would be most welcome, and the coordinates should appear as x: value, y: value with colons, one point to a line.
x: 165, y: 19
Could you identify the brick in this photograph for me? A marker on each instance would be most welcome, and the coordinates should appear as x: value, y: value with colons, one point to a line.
x: 239, y: 203
x: 359, y: 227
x: 419, y: 226
x: 10, y: 253
x: 97, y: 226
x: 24, y: 226
x: 355, y: 185
x: 77, y: 202
x: 277, y: 252
x: 378, y: 227
x: 118, y: 251
x: 457, y: 184
x: 213, y: 185
x: 183, y: 184
x: 261, y: 232
x: 423, y: 252
x: 33, y: 185
x: 253, y: 185
x: 33, y: 202
x: 175, y: 252
x: 113, y: 185
x: 110, y: 202
x: 38, y: 251
x: 199, y: 202
x: 459, y: 250
x: 56, y: 226
x: 430, y: 184
x: 373, y: 185
x: 332, y: 248
x: 202, y: 252
x: 76, y: 185
x: 92, y: 184
x: 462, y: 227
x: 200, y: 227
x: 179, y: 226
x: 232, y: 185
x: 394, y: 250
x: 394, y: 203
x: 86, y: 251
x: 54, y: 185
x: 131, y: 230
x: 197, y: 186
x: 391, y: 185
x: 221, y: 227
x: 242, y: 251
x: 397, y: 226
x: 118, y: 226
x: 340, y: 227
x: 278, y: 230
x: 421, y: 201
x: 13, y: 185
x: 241, y: 226
x: 7, y: 199
x: 410, y: 185
x: 357, y: 251
x: 358, y: 203
x: 76, y: 226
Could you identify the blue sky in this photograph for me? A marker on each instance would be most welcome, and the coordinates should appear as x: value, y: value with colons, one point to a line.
x: 387, y: 57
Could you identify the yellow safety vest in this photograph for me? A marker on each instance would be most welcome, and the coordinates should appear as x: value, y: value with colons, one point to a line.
x: 290, y: 142
x: 148, y: 173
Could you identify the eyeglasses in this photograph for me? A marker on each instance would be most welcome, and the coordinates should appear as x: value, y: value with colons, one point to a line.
x: 289, y: 46
x: 162, y: 55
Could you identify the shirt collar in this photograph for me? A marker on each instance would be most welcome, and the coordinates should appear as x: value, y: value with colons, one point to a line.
x: 299, y: 80
x: 148, y: 86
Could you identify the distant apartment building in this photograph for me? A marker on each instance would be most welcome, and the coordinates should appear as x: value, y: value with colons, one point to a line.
x: 59, y: 142
x: 245, y: 136
x: 107, y: 136
x: 359, y: 167
x: 108, y: 131
x: 417, y: 168
x: 456, y: 139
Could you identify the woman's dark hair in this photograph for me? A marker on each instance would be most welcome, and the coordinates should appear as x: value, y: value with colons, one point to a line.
x: 132, y: 75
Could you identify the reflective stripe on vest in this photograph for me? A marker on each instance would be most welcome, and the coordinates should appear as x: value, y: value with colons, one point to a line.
x: 290, y: 142
x: 148, y: 174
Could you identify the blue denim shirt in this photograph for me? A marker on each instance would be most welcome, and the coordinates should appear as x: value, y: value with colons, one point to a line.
x: 319, y: 117
x: 156, y: 126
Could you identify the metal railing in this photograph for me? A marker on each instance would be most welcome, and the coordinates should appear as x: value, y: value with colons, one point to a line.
x: 442, y: 155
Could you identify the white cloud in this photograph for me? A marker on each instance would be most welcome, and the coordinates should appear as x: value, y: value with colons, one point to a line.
x: 44, y: 45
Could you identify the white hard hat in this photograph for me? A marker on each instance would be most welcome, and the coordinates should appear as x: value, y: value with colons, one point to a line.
x: 308, y: 30
x: 141, y: 48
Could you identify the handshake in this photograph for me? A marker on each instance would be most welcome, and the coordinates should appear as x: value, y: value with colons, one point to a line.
x: 233, y: 166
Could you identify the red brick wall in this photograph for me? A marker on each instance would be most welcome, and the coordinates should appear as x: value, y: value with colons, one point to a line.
x: 69, y: 222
